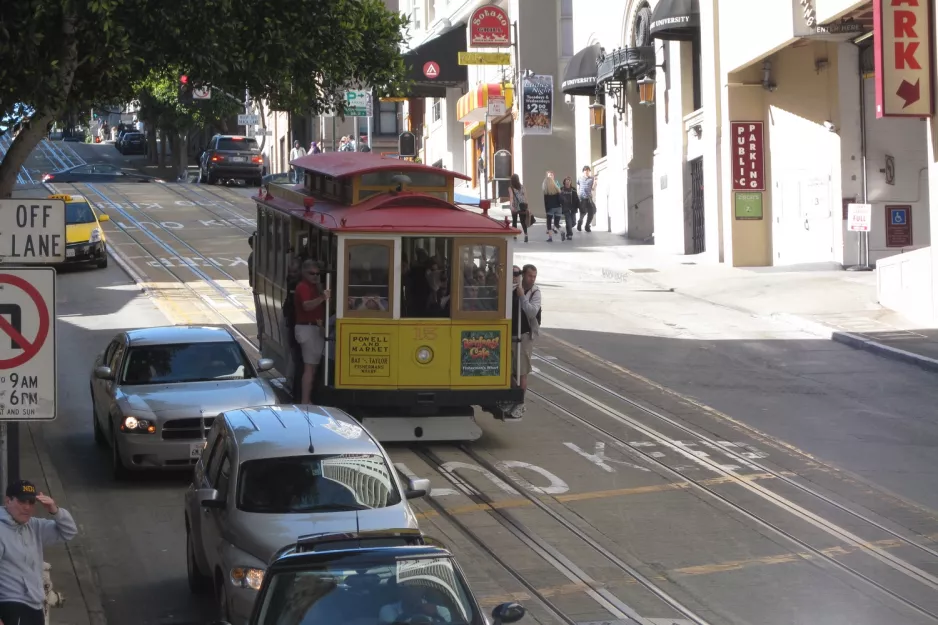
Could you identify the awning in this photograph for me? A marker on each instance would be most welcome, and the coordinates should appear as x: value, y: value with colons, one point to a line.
x: 473, y: 106
x: 676, y: 20
x: 580, y: 77
x: 443, y: 51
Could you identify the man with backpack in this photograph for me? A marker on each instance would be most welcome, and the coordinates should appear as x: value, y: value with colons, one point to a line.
x: 526, y: 319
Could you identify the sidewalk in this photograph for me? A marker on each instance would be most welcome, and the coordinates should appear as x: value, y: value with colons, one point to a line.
x: 71, y: 574
x: 823, y: 300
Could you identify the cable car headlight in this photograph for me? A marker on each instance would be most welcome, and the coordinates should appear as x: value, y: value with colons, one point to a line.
x: 424, y: 355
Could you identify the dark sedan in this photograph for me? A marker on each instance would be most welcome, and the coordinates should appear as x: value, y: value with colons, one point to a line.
x: 96, y: 173
x: 132, y: 143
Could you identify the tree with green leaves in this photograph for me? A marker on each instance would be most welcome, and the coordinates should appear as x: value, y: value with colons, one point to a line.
x: 60, y: 56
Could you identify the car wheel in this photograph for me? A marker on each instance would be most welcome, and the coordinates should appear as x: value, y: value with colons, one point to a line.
x: 98, y: 432
x: 222, y: 598
x: 117, y: 464
x: 258, y: 182
x: 199, y: 583
x: 210, y: 179
x: 102, y: 262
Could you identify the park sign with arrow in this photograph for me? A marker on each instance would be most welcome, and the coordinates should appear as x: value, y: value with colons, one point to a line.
x: 902, y: 42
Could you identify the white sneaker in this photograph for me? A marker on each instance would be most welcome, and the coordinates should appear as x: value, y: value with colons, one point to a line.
x: 517, y: 413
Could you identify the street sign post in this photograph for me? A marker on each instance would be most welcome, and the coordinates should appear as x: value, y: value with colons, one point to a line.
x: 247, y: 120
x: 201, y: 93
x: 358, y: 104
x: 32, y: 231
x: 27, y: 344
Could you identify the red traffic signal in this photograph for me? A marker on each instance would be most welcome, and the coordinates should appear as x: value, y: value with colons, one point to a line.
x: 184, y: 79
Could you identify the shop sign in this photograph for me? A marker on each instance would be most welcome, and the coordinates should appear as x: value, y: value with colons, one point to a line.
x: 748, y: 156
x: 369, y: 355
x: 484, y: 58
x: 480, y: 353
x: 805, y: 22
x: 497, y: 107
x: 489, y: 27
x: 899, y: 225
x: 902, y: 50
x: 748, y: 206
x: 537, y: 105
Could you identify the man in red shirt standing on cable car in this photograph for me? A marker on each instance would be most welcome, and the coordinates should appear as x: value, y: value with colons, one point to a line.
x: 310, y: 305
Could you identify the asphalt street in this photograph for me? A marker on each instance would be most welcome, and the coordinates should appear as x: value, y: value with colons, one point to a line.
x: 675, y: 463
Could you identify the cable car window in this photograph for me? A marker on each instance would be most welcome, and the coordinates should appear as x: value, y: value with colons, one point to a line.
x: 269, y: 243
x: 368, y: 276
x: 426, y: 267
x: 481, y: 272
x: 284, y: 245
x: 279, y: 252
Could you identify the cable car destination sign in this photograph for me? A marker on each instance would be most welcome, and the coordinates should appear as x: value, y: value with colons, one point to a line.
x: 32, y: 231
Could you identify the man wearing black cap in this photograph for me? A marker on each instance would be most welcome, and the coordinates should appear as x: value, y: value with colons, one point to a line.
x: 22, y: 538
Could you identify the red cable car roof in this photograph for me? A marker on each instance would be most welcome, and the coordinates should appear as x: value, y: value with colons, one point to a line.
x: 341, y: 164
x: 398, y: 212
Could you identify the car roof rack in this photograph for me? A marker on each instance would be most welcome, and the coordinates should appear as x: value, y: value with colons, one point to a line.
x: 331, y: 541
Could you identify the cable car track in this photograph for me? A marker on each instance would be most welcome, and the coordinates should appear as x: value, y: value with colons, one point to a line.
x: 923, y: 577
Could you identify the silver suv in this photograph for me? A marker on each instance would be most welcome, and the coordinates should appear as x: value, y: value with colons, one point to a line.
x: 269, y: 475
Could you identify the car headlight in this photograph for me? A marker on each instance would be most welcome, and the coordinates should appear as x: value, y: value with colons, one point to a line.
x: 424, y: 355
x: 137, y: 426
x: 247, y: 577
x: 95, y: 235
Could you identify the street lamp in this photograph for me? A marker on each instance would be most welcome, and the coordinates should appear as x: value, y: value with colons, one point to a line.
x: 646, y: 91
x: 597, y: 115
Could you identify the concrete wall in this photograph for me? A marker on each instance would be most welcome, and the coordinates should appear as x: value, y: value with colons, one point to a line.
x: 750, y: 31
x: 904, y: 284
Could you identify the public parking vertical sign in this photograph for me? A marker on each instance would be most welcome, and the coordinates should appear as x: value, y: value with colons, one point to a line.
x: 903, y: 57
x: 27, y: 344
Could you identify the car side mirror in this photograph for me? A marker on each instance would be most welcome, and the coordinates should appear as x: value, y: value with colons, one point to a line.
x: 508, y: 613
x: 210, y: 498
x: 265, y: 364
x: 417, y: 488
x: 103, y: 217
x: 103, y: 373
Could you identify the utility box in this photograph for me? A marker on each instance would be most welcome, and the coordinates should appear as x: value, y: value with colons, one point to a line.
x: 407, y: 145
x: 501, y: 166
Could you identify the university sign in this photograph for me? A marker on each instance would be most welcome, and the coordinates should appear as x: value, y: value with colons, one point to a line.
x: 903, y: 58
x: 489, y: 27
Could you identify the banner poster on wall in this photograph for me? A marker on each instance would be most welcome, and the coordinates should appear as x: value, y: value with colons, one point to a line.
x: 537, y: 105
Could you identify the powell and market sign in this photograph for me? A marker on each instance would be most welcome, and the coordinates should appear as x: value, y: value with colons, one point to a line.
x: 805, y: 22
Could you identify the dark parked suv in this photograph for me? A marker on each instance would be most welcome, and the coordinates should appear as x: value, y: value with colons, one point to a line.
x: 231, y: 158
x: 132, y: 143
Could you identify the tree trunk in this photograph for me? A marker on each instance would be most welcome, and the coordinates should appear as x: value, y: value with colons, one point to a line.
x: 165, y: 145
x: 26, y: 140
x: 152, y: 149
x: 182, y: 162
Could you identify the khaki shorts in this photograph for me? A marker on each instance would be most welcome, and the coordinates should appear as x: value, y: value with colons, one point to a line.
x: 311, y: 342
x: 527, y: 351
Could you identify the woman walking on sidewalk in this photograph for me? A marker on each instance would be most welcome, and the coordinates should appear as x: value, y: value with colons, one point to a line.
x: 570, y: 204
x: 518, y: 201
x: 551, y: 205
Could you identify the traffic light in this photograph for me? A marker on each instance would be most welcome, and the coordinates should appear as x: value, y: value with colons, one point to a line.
x: 185, y: 89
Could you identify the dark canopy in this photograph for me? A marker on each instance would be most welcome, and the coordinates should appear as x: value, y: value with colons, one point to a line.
x: 443, y: 50
x: 580, y: 77
x: 676, y: 20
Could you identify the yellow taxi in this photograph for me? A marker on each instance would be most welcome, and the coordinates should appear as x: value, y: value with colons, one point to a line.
x: 84, y: 237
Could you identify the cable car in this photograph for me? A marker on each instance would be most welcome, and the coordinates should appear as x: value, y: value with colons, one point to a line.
x: 419, y: 322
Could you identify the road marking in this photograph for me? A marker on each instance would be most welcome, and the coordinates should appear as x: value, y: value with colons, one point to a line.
x: 599, y: 458
x: 557, y: 485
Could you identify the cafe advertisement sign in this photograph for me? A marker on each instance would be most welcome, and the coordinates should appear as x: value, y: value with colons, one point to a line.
x: 537, y: 105
x: 480, y: 353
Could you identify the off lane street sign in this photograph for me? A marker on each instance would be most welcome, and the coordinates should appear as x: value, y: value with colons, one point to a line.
x: 32, y: 231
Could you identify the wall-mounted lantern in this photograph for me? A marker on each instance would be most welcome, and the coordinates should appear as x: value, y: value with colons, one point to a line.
x: 597, y: 115
x: 646, y: 91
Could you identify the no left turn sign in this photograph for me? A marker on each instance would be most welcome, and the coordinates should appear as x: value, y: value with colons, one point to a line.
x: 27, y: 344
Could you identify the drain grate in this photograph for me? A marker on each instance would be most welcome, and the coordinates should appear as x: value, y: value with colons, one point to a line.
x: 644, y: 270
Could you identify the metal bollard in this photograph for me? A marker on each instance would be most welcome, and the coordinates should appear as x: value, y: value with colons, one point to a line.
x: 53, y: 599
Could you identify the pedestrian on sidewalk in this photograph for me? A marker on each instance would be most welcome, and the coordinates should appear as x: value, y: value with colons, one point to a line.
x: 526, y: 323
x: 296, y: 153
x: 585, y: 187
x: 22, y: 539
x: 314, y: 148
x: 518, y: 202
x: 551, y: 205
x: 569, y: 204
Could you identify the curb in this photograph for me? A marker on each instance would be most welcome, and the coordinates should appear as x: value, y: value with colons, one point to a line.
x: 581, y: 269
x: 76, y: 552
x: 857, y: 342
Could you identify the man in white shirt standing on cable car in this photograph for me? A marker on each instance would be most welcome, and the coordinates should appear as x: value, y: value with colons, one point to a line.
x: 310, y: 308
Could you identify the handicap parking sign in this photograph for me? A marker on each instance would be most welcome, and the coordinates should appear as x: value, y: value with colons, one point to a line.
x: 898, y: 216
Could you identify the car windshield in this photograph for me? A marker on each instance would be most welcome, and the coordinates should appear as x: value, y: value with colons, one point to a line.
x: 237, y: 145
x: 187, y: 362
x: 371, y: 594
x: 325, y: 483
x: 79, y: 213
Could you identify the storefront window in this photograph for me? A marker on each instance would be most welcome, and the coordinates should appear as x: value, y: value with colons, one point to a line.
x: 481, y: 274
x: 368, y: 276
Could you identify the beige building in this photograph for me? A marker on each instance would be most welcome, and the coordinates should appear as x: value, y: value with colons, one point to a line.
x: 745, y: 145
